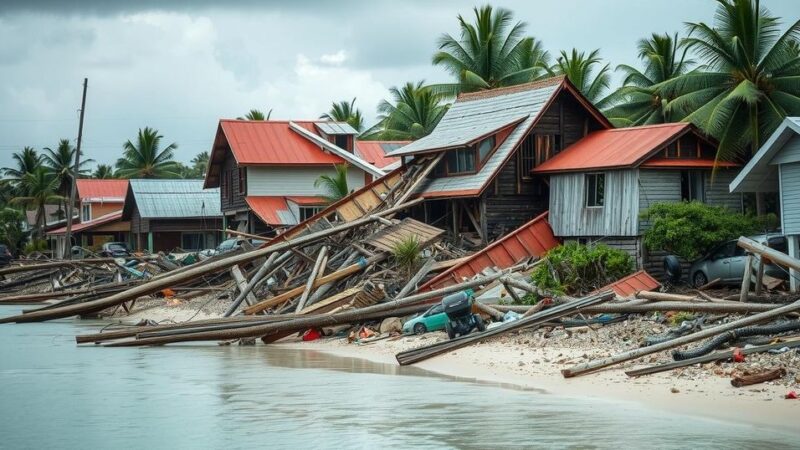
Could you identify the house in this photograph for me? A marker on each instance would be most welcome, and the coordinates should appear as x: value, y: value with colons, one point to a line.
x: 489, y: 141
x: 265, y: 170
x: 169, y: 214
x: 776, y: 168
x: 600, y: 185
x: 99, y: 215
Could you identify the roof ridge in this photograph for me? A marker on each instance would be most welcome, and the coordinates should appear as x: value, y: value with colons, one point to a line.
x: 489, y: 93
x: 655, y: 125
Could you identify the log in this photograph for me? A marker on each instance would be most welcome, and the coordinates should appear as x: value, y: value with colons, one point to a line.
x: 66, y: 263
x: 241, y: 283
x: 774, y: 255
x: 321, y: 291
x: 591, y: 366
x: 663, y: 296
x: 710, y: 284
x: 411, y: 286
x: 158, y: 283
x: 639, y: 308
x: 762, y: 377
x: 245, y: 291
x: 748, y: 273
x: 318, y: 264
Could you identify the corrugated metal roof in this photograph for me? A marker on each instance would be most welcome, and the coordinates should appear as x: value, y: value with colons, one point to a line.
x: 90, y: 190
x: 175, y: 199
x: 311, y: 200
x: 334, y: 128
x: 758, y: 175
x: 632, y: 284
x: 614, y: 148
x: 459, y: 132
x: 375, y: 152
x: 534, y: 238
x: 686, y: 163
x: 94, y: 223
x: 272, y: 210
x: 350, y: 157
x: 270, y: 142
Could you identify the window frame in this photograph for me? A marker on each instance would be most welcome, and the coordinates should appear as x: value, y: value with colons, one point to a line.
x: 242, y: 180
x: 84, y: 208
x: 201, y: 241
x: 303, y: 210
x: 587, y: 194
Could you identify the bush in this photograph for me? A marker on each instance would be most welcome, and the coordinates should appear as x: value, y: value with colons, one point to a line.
x: 36, y: 245
x: 573, y: 268
x: 690, y: 229
x: 11, y: 233
x: 406, y: 254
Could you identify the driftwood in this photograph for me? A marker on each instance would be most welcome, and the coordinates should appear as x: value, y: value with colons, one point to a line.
x: 663, y: 296
x: 241, y: 284
x: 636, y: 307
x: 762, y: 377
x: 710, y: 284
x: 319, y: 264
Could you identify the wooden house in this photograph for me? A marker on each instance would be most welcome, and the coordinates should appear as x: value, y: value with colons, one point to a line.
x: 265, y: 170
x: 170, y: 214
x: 490, y: 142
x: 601, y: 184
x: 776, y: 168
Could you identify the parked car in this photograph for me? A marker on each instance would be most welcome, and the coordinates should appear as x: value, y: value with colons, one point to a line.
x: 433, y: 319
x: 727, y: 262
x: 115, y: 250
x: 229, y: 245
x: 5, y: 255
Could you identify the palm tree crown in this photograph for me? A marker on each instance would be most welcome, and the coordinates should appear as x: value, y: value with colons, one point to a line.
x: 37, y: 189
x: 27, y: 161
x: 415, y: 112
x: 255, y: 114
x: 579, y: 68
x: 60, y: 162
x: 346, y: 112
x: 491, y: 52
x: 335, y: 186
x: 145, y: 158
x: 103, y: 172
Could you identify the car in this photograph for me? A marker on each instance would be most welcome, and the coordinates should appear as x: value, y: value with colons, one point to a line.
x: 434, y: 319
x: 5, y: 255
x: 229, y: 245
x: 115, y: 250
x: 727, y: 262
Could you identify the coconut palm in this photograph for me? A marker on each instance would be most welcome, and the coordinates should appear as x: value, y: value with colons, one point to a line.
x: 200, y: 162
x: 145, y: 158
x: 103, y: 172
x: 750, y: 81
x: 335, y: 186
x: 256, y: 114
x: 640, y: 101
x: 580, y: 69
x: 345, y: 112
x: 27, y: 161
x: 38, y: 188
x: 61, y: 162
x: 415, y: 112
x: 491, y: 52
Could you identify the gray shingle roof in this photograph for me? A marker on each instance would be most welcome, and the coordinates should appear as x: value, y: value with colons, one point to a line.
x: 333, y: 128
x: 175, y: 199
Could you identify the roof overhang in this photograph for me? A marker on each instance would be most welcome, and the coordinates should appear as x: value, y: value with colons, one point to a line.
x: 759, y: 175
x: 338, y: 151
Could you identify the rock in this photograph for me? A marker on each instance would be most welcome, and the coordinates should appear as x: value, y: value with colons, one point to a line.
x: 520, y: 363
x: 674, y: 390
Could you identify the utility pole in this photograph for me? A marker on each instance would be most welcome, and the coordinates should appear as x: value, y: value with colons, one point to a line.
x: 74, y: 187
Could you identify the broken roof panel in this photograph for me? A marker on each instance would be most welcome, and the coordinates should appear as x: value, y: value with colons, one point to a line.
x: 273, y: 210
x: 375, y: 152
x: 633, y: 284
x: 334, y: 128
x: 173, y: 199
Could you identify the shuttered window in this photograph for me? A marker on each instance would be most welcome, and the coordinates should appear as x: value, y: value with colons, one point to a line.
x: 535, y: 150
x: 243, y: 180
x: 595, y: 190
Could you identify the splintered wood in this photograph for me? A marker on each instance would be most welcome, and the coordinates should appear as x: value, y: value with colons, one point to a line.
x: 388, y: 238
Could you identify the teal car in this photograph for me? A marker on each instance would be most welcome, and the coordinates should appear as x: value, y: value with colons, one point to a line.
x: 433, y: 319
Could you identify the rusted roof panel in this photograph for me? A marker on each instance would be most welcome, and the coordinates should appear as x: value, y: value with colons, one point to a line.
x: 374, y: 152
x: 534, y: 238
x: 271, y: 210
x: 633, y: 283
x: 270, y: 142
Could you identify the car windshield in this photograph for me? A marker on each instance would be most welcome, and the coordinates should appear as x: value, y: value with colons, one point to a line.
x: 117, y: 247
x: 435, y: 310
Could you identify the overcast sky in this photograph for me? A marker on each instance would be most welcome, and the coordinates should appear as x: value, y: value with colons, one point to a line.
x: 180, y: 66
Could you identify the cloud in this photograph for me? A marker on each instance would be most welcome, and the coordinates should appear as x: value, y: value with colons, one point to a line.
x: 334, y: 59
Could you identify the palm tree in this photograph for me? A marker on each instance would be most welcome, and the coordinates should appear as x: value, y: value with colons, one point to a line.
x: 103, y: 172
x: 491, y: 52
x: 345, y: 112
x: 60, y: 162
x: 145, y: 159
x: 200, y: 162
x: 414, y: 114
x: 640, y: 101
x: 579, y: 68
x: 38, y: 188
x: 335, y: 186
x: 750, y: 81
x: 256, y: 114
x: 27, y: 161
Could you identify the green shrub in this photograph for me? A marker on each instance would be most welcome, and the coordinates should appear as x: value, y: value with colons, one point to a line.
x: 11, y: 233
x: 573, y: 268
x: 406, y: 254
x: 36, y: 245
x: 690, y: 229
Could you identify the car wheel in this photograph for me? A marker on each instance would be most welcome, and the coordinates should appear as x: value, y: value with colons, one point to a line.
x: 699, y: 279
x: 420, y: 329
x: 451, y: 333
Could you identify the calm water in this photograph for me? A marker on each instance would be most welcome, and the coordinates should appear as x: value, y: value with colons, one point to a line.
x: 56, y: 395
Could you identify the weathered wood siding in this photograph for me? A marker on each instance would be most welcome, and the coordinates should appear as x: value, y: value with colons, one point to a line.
x: 569, y: 215
x: 790, y: 197
x: 717, y: 189
x: 230, y: 197
x: 288, y: 181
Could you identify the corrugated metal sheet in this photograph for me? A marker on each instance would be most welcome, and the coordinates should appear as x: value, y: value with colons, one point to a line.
x: 273, y: 142
x: 85, y: 226
x: 175, y: 199
x: 614, y: 148
x: 334, y: 128
x: 459, y: 131
x: 632, y: 284
x: 271, y: 210
x: 670, y: 163
x: 375, y: 152
x: 307, y: 200
x: 101, y: 190
x: 534, y: 238
x: 350, y: 157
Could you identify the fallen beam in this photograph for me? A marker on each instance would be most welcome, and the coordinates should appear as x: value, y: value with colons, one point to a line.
x: 762, y: 377
x: 643, y: 308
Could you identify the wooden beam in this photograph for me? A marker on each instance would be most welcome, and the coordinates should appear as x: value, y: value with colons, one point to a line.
x: 748, y: 272
x: 318, y: 264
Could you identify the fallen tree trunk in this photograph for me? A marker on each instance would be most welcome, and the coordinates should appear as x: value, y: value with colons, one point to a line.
x: 763, y: 377
x: 66, y: 263
x: 591, y: 366
x: 634, y: 307
x: 663, y: 296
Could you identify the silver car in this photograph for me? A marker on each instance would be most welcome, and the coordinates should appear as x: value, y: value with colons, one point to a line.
x: 727, y: 262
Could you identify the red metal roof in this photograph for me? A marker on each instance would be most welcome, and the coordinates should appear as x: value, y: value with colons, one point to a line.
x: 534, y: 238
x: 614, y: 148
x: 307, y: 200
x: 374, y: 153
x: 86, y: 226
x: 271, y: 142
x: 267, y: 207
x: 687, y: 163
x: 633, y: 283
x: 102, y: 190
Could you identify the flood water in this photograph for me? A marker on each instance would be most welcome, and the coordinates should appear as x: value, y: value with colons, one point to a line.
x: 54, y: 394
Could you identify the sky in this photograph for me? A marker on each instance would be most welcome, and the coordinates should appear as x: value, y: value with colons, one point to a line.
x: 180, y: 66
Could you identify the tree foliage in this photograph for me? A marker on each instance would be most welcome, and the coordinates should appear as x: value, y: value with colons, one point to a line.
x: 413, y: 112
x: 11, y: 233
x: 406, y: 254
x: 104, y: 172
x: 346, y: 112
x: 586, y: 72
x: 577, y: 269
x: 335, y: 186
x: 145, y: 158
x: 256, y: 114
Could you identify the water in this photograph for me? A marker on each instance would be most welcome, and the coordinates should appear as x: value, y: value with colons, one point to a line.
x: 56, y: 395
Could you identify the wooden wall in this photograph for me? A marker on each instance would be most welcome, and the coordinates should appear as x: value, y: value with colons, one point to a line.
x: 229, y: 183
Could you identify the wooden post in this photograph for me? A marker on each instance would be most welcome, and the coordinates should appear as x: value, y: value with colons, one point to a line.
x: 748, y: 272
x: 241, y: 284
x: 412, y: 283
x: 759, y: 276
x: 794, y: 252
x: 319, y: 264
x: 150, y: 241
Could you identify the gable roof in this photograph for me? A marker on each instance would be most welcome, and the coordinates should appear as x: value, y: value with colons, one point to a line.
x: 94, y: 223
x: 111, y: 191
x: 759, y: 175
x: 376, y: 152
x: 617, y: 148
x: 496, y: 107
x: 159, y: 199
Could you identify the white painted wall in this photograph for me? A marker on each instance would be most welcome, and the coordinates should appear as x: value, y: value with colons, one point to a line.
x: 289, y: 181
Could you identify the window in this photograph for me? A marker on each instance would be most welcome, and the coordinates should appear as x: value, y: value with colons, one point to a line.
x: 192, y: 241
x: 673, y: 151
x: 306, y: 212
x: 485, y: 148
x: 86, y: 212
x: 243, y: 180
x: 535, y: 150
x: 342, y: 141
x: 595, y: 189
x: 692, y: 186
x: 460, y: 161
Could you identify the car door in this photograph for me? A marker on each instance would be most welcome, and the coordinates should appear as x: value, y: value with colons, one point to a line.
x: 719, y: 264
x: 436, y: 318
x: 738, y: 260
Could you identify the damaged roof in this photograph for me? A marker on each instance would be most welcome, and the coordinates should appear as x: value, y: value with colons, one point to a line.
x: 376, y: 152
x: 158, y: 199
